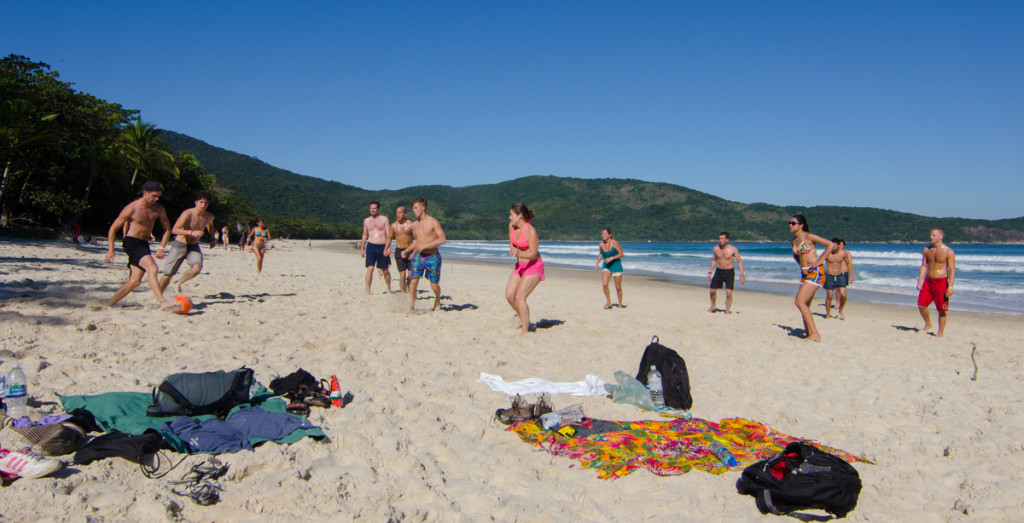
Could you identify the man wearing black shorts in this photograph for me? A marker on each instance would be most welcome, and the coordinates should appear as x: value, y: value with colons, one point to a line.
x: 376, y: 245
x: 140, y: 217
x: 722, y: 272
x: 401, y: 230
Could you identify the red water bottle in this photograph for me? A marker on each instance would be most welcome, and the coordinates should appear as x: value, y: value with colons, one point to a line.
x: 336, y: 398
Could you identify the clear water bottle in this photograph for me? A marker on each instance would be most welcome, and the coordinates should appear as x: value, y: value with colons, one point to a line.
x: 654, y: 385
x: 17, y: 392
x: 570, y: 414
x: 724, y: 455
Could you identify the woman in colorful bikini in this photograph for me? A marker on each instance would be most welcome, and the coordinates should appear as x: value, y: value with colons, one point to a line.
x: 610, y: 258
x: 259, y: 238
x: 812, y: 272
x: 529, y: 271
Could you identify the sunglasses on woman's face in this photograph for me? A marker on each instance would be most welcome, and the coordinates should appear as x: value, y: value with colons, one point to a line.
x: 794, y: 223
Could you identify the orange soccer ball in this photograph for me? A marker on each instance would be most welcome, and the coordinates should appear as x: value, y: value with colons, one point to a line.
x: 184, y: 304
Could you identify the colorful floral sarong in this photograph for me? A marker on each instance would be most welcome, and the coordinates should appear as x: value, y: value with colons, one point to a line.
x: 666, y: 448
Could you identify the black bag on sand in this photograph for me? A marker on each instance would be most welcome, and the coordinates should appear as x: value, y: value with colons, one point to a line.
x: 674, y: 379
x: 196, y: 393
x: 802, y: 477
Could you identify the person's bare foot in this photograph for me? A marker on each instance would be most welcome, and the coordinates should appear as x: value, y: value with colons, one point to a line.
x: 727, y: 311
x: 168, y: 305
x: 711, y: 309
x: 177, y: 286
x: 813, y: 338
x: 437, y: 305
x: 927, y: 327
x: 841, y: 316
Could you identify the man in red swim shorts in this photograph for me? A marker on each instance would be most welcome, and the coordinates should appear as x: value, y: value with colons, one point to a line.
x: 938, y: 271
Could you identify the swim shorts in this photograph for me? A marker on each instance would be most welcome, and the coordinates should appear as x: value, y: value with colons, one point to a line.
x: 812, y: 275
x: 934, y: 289
x: 725, y: 277
x: 837, y: 280
x: 182, y: 252
x: 375, y: 256
x: 428, y: 265
x: 136, y: 250
x: 401, y: 263
x: 530, y: 268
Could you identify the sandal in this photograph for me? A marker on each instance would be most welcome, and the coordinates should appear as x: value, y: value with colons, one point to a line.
x: 542, y: 407
x: 519, y: 411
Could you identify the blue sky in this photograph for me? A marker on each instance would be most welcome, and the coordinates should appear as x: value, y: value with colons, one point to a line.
x: 911, y: 106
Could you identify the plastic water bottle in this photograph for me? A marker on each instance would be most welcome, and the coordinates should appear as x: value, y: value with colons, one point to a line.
x: 17, y: 392
x: 570, y: 414
x: 724, y: 455
x: 654, y: 385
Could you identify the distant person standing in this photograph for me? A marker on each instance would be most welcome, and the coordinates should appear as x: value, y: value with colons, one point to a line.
x: 722, y: 272
x: 185, y: 247
x: 138, y: 218
x: 401, y: 230
x: 426, y: 258
x: 839, y: 275
x: 938, y: 272
x: 609, y: 262
x: 375, y: 246
x: 224, y: 237
x: 260, y: 240
x: 812, y: 270
x: 524, y: 244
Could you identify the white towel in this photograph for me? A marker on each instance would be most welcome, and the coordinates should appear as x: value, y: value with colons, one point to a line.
x: 590, y: 386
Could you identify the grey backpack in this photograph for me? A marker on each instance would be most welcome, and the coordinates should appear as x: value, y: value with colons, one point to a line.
x: 196, y: 393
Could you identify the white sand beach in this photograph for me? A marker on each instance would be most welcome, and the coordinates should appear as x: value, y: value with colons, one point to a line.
x: 418, y: 441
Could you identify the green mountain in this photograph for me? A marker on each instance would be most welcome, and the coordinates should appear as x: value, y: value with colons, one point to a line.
x: 571, y: 208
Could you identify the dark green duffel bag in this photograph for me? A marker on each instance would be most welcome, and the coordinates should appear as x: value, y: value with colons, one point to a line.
x: 196, y: 393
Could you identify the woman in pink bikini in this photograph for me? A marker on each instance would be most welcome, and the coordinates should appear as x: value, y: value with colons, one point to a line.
x: 812, y: 272
x: 529, y: 271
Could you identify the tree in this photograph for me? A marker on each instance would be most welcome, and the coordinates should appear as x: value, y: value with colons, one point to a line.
x: 144, y: 150
x: 19, y: 128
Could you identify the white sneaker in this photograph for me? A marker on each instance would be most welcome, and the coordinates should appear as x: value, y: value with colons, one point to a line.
x: 27, y: 464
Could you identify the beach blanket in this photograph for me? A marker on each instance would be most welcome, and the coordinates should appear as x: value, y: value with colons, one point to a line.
x: 666, y: 448
x: 126, y: 412
x: 590, y: 386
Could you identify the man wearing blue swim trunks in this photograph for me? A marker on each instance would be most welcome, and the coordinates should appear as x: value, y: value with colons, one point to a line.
x: 838, y: 275
x: 426, y: 259
x: 376, y: 245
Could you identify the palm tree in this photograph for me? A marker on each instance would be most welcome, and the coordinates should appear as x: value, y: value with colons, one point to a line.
x: 142, y: 147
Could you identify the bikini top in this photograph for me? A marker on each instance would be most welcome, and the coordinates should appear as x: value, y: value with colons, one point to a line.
x: 259, y: 234
x: 803, y: 248
x: 521, y: 242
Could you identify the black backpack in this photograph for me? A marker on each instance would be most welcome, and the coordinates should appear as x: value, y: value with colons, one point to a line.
x: 802, y: 477
x: 193, y: 394
x: 674, y: 379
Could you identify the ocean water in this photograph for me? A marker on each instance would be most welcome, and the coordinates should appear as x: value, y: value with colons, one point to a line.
x: 989, y: 278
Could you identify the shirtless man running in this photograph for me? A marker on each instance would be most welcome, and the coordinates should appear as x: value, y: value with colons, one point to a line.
x: 426, y: 259
x: 722, y: 258
x: 838, y: 276
x: 185, y: 247
x: 139, y: 217
x: 401, y: 230
x: 938, y: 272
x: 376, y: 245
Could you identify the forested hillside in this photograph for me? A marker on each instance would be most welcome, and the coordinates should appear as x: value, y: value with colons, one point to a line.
x: 571, y: 208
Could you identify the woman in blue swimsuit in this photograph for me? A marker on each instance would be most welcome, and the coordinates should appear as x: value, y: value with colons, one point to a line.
x: 259, y: 236
x: 811, y: 270
x: 611, y: 260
